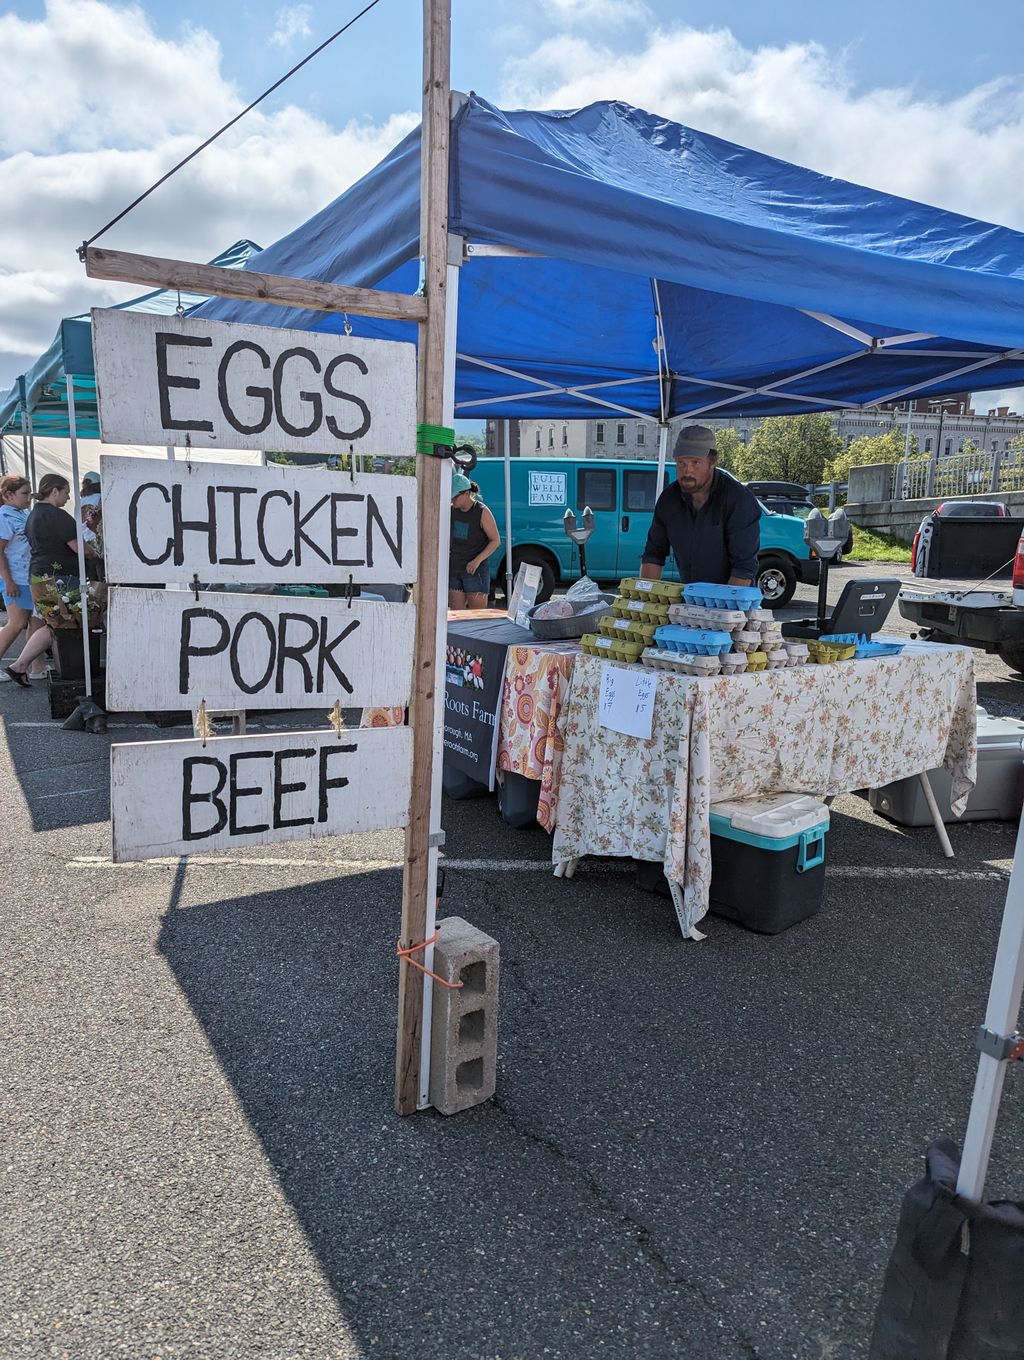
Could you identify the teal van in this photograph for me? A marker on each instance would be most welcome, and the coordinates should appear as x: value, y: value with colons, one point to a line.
x: 621, y: 494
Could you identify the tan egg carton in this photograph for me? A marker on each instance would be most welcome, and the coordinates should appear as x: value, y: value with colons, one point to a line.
x: 778, y: 659
x: 683, y: 663
x: 733, y: 663
x: 797, y: 653
x: 699, y: 616
x: 760, y: 618
x: 746, y: 640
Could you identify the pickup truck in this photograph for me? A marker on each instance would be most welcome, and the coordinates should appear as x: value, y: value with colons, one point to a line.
x: 990, y: 617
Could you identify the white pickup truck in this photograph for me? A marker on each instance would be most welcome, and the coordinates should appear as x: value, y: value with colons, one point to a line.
x: 989, y: 615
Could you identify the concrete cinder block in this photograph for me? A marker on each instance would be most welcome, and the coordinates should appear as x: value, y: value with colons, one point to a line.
x: 464, y: 1022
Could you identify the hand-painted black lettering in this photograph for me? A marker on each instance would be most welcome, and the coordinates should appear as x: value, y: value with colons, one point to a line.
x: 259, y: 393
x: 325, y: 654
x: 235, y: 793
x: 326, y: 783
x: 281, y: 788
x: 301, y: 520
x: 212, y: 796
x: 373, y: 516
x: 236, y: 493
x: 288, y: 650
x: 133, y: 524
x: 166, y: 380
x: 340, y: 531
x: 262, y: 622
x: 313, y: 398
x: 261, y: 528
x: 359, y: 430
x: 187, y: 649
x: 207, y: 526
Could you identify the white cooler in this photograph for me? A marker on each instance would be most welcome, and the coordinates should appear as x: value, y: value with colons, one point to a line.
x: 996, y: 797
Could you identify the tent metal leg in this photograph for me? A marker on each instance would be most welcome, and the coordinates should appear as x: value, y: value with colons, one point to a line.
x: 933, y: 808
x: 444, y: 532
x: 1001, y: 1018
x: 659, y: 485
x: 83, y: 579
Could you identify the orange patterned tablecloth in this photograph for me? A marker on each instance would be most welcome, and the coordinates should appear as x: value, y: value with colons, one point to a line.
x: 535, y: 685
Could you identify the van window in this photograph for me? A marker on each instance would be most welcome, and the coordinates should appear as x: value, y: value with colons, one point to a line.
x: 596, y: 487
x: 638, y: 490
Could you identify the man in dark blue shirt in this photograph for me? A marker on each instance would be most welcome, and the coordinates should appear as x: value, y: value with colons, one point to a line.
x: 710, y: 521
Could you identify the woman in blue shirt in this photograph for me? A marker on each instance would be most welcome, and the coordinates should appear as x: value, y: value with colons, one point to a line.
x: 15, y: 551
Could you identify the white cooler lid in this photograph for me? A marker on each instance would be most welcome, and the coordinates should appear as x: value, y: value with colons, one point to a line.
x: 778, y: 816
x: 999, y: 731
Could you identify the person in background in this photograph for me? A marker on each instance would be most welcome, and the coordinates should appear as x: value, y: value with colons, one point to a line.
x: 711, y: 522
x: 53, y: 538
x: 15, y: 496
x: 474, y: 537
x: 90, y: 510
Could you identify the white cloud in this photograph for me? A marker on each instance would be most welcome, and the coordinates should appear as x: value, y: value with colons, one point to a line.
x: 594, y: 11
x: 798, y: 102
x: 290, y: 23
x: 259, y: 181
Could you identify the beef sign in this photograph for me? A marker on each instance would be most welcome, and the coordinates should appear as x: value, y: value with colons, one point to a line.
x: 213, y: 384
x: 212, y: 526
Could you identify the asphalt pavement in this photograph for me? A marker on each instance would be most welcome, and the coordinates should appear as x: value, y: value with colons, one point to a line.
x: 696, y: 1150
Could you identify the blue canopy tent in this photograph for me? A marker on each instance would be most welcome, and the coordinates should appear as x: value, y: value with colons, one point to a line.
x: 41, y: 395
x: 615, y: 261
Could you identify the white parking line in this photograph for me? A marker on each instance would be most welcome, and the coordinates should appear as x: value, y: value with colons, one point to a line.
x: 498, y: 866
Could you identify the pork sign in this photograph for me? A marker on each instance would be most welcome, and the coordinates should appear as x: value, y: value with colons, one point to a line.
x: 214, y: 384
x: 258, y: 651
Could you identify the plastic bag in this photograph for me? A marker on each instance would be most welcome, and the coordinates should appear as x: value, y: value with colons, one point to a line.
x: 583, y: 593
x: 554, y: 609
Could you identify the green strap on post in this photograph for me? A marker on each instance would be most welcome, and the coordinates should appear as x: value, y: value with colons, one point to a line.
x: 430, y: 438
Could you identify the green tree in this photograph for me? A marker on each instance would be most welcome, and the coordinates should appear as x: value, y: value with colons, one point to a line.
x: 969, y: 446
x: 868, y: 449
x: 790, y: 449
x: 730, y: 450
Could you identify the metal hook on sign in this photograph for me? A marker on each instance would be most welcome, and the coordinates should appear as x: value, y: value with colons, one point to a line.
x: 348, y: 324
x: 350, y: 590
x: 336, y: 719
x: 195, y: 585
x: 203, y: 726
x: 188, y: 453
x: 179, y: 310
x: 351, y: 462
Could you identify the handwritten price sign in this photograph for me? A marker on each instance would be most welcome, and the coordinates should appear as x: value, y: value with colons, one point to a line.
x: 627, y: 700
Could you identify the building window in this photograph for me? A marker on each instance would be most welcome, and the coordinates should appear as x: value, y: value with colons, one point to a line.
x: 641, y: 436
x: 537, y: 445
x: 620, y: 434
x: 599, y: 436
x: 927, y: 446
x: 949, y: 447
x: 551, y: 436
x: 565, y: 436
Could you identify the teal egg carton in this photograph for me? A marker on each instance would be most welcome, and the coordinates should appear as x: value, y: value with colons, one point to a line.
x: 713, y: 596
x: 865, y: 647
x: 699, y: 641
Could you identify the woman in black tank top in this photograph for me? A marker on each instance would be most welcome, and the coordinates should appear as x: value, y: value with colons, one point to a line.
x: 474, y: 537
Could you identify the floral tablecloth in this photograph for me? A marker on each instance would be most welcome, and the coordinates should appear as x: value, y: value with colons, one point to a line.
x: 535, y: 685
x: 821, y: 730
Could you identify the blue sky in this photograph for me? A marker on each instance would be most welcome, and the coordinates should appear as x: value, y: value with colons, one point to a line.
x: 923, y: 99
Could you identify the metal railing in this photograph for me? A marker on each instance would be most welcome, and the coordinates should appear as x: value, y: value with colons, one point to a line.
x: 968, y: 474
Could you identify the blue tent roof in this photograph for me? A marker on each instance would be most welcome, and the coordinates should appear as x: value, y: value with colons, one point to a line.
x: 764, y: 288
x: 71, y: 352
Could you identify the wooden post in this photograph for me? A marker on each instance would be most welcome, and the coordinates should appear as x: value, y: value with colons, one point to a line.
x: 418, y: 879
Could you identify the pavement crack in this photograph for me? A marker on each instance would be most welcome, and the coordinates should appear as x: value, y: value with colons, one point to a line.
x: 633, y: 1225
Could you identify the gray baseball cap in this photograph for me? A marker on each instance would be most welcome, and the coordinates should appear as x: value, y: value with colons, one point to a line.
x: 694, y: 441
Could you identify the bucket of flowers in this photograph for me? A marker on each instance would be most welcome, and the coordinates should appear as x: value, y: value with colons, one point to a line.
x: 58, y: 600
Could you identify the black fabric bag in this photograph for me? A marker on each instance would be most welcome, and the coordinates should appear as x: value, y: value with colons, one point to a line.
x: 939, y: 1302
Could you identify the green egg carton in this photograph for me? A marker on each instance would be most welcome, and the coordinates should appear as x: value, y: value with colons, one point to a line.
x: 596, y: 645
x: 756, y: 661
x: 668, y: 592
x: 612, y: 627
x: 827, y: 653
x: 628, y: 651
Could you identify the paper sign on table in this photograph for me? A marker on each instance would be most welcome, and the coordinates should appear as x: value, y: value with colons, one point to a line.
x: 627, y: 701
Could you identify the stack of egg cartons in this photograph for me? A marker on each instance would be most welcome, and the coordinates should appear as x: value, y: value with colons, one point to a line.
x: 721, y: 630
x: 640, y: 608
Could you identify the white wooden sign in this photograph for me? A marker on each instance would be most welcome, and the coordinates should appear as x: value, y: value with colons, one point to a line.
x: 166, y: 649
x: 214, y: 384
x: 181, y: 797
x: 271, y: 525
